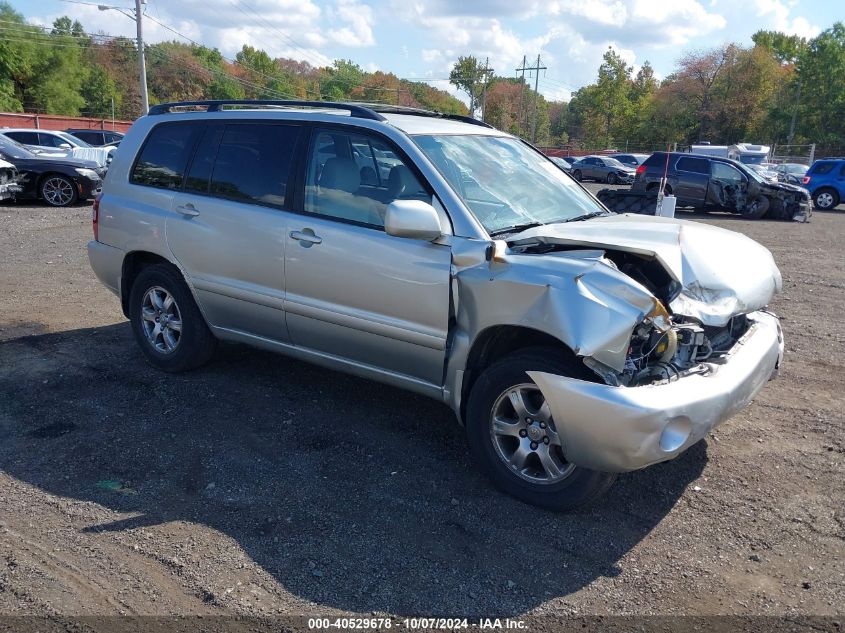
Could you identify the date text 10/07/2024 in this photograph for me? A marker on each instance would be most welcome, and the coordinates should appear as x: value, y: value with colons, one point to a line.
x: 446, y: 624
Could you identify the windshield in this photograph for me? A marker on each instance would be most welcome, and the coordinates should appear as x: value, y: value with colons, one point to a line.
x: 751, y: 173
x: 505, y: 183
x: 752, y: 159
x: 13, y: 149
x: 612, y: 162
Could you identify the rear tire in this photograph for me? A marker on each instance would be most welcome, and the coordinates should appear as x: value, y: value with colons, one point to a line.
x: 826, y: 199
x: 559, y: 487
x: 167, y: 324
x: 577, y: 175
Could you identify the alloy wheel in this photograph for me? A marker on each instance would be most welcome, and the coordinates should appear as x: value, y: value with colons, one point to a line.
x: 525, y: 438
x: 57, y: 191
x: 824, y: 200
x: 161, y: 320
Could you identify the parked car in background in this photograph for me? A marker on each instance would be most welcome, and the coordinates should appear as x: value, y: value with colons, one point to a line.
x: 96, y: 138
x: 55, y: 144
x: 765, y: 171
x: 8, y: 180
x: 711, y: 183
x: 825, y: 181
x: 602, y: 169
x: 59, y: 181
x: 564, y: 164
x: 793, y: 173
x: 632, y: 160
x: 570, y: 342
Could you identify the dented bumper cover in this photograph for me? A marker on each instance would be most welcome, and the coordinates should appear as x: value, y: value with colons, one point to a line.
x: 618, y: 429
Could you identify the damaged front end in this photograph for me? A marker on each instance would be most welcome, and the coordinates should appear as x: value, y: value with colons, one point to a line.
x: 669, y: 316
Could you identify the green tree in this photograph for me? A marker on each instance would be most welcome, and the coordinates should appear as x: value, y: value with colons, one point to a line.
x: 470, y: 76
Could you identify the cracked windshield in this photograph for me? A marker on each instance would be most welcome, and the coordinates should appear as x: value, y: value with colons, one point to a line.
x: 505, y: 183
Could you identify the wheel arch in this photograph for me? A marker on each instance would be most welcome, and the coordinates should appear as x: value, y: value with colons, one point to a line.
x: 496, y: 342
x: 133, y: 263
x: 47, y: 174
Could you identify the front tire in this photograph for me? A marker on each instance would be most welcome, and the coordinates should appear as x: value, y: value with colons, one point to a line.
x: 167, y: 324
x: 825, y: 199
x: 611, y: 179
x: 514, y: 440
x: 58, y: 191
x: 756, y: 209
x: 577, y: 175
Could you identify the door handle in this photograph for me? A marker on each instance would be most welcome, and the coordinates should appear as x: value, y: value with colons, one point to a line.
x: 187, y: 210
x: 306, y: 237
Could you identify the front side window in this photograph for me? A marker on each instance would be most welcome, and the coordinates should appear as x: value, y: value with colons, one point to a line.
x: 504, y: 182
x: 165, y: 154
x: 355, y: 176
x: 252, y: 164
x: 725, y: 172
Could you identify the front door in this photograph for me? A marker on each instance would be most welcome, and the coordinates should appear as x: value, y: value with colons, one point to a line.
x: 353, y: 291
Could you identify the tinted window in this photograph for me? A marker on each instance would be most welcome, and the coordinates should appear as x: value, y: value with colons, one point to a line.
x: 27, y: 138
x: 111, y: 137
x: 818, y: 168
x: 354, y: 177
x: 51, y: 140
x: 165, y: 154
x: 199, y: 174
x: 95, y: 138
x: 655, y: 160
x: 253, y: 163
x: 697, y: 165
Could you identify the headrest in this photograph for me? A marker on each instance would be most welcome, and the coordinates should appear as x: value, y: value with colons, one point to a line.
x: 342, y: 174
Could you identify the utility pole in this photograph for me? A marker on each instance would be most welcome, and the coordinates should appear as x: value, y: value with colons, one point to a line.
x: 485, y: 78
x: 794, y: 114
x: 536, y: 68
x: 142, y: 66
x: 522, y: 96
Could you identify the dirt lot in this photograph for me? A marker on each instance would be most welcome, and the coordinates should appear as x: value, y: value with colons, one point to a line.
x: 261, y: 485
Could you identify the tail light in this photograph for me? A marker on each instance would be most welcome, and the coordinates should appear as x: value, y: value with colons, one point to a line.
x: 805, y: 180
x: 95, y: 217
x: 641, y: 169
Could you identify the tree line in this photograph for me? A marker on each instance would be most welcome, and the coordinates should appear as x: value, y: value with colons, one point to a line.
x: 64, y: 70
x: 783, y: 89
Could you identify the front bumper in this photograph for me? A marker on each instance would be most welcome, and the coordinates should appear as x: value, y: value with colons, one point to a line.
x: 88, y: 187
x: 9, y: 190
x: 618, y: 429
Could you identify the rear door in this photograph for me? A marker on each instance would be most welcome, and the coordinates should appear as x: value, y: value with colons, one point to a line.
x: 353, y: 291
x: 228, y: 224
x: 693, y: 177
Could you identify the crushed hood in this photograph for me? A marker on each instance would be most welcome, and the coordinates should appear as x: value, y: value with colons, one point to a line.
x: 722, y: 273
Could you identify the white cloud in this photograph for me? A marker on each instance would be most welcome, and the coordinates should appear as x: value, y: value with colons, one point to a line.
x: 778, y: 14
x: 359, y: 24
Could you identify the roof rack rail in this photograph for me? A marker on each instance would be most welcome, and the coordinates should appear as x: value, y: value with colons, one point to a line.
x: 217, y: 105
x: 386, y: 108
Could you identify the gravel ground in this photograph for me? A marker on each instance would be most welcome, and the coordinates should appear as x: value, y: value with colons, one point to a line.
x: 261, y: 485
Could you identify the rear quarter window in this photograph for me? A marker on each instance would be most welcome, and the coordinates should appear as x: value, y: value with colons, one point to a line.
x: 655, y: 159
x: 822, y: 167
x: 695, y: 165
x: 164, y: 155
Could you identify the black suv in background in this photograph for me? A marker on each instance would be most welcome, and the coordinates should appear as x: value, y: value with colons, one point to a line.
x: 719, y: 184
x: 97, y: 138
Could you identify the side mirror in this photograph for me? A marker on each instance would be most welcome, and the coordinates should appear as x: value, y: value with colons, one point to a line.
x: 414, y: 219
x: 65, y: 146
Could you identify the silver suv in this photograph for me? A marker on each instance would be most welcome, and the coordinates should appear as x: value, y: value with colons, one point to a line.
x: 438, y: 254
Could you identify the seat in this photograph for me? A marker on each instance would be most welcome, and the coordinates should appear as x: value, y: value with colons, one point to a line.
x: 403, y: 185
x: 338, y: 193
x: 369, y: 177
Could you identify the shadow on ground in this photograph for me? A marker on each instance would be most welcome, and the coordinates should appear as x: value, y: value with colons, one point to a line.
x: 351, y: 494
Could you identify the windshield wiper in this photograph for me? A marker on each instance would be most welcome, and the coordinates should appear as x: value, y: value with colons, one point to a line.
x: 587, y: 216
x: 515, y: 228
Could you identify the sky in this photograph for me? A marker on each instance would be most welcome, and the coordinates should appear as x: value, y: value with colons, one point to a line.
x: 421, y: 39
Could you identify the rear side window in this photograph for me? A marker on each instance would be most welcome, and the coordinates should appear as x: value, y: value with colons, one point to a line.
x: 655, y: 160
x: 253, y: 163
x: 695, y: 165
x: 822, y: 167
x: 94, y: 138
x: 165, y: 154
x: 27, y: 138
